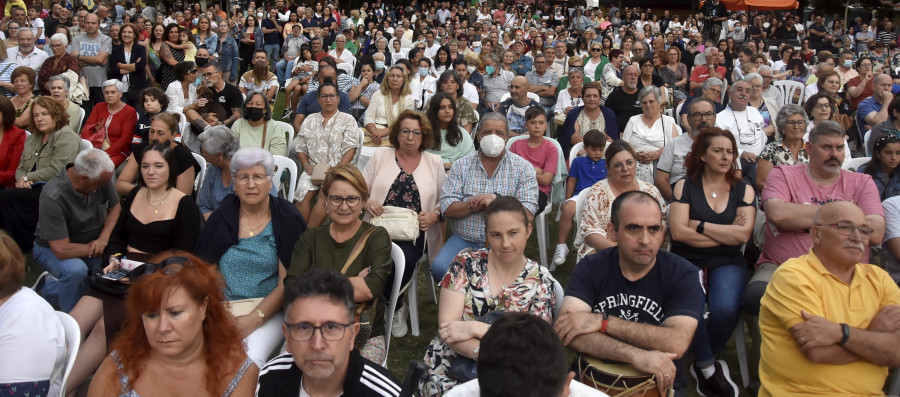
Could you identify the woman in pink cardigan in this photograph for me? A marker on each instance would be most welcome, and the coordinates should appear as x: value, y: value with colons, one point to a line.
x: 409, y: 177
x: 117, y: 118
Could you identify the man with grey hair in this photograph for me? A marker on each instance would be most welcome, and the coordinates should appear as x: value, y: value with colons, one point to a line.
x: 92, y: 50
x: 475, y: 181
x: 26, y: 54
x: 712, y: 90
x: 768, y: 90
x: 746, y: 124
x: 224, y: 94
x: 78, y: 210
x: 671, y: 167
x: 874, y: 109
x: 712, y: 68
x: 543, y: 83
x: 623, y: 100
x: 790, y: 199
x: 291, y: 50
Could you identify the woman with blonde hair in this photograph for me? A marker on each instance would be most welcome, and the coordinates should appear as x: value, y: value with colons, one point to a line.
x: 392, y: 98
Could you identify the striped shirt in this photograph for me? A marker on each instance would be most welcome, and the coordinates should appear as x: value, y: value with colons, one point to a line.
x: 514, y: 176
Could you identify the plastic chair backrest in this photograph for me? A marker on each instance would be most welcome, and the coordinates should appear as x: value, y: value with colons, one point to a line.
x: 198, y: 179
x: 399, y: 266
x: 73, y: 343
x: 283, y: 164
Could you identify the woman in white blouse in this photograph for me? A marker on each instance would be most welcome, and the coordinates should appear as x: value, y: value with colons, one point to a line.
x: 649, y: 132
x: 182, y: 92
x: 392, y: 98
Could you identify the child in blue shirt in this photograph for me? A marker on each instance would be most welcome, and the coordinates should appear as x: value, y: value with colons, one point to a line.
x: 584, y: 172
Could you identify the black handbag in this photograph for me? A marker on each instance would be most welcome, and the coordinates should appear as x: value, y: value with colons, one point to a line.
x: 110, y: 287
x: 464, y: 369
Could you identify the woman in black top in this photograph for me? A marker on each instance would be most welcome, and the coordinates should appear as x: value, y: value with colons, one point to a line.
x: 155, y: 217
x: 711, y: 217
x: 128, y: 64
x: 163, y: 128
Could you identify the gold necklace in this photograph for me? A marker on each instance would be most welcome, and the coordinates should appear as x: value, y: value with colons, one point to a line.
x: 161, y: 201
x: 253, y: 230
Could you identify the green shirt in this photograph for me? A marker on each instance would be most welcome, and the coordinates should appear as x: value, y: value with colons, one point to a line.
x: 43, y: 161
x: 316, y: 248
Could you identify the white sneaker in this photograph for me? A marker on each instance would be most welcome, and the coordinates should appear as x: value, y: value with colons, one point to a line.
x: 398, y: 327
x: 559, y: 257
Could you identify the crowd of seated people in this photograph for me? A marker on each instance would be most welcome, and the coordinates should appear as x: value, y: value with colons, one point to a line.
x: 764, y: 146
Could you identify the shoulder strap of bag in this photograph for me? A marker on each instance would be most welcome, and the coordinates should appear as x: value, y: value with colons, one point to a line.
x: 357, y: 249
x: 266, y: 124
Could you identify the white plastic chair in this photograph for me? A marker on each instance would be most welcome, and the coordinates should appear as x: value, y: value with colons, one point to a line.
x: 81, y: 120
x: 73, y: 343
x: 573, y: 152
x: 86, y: 144
x: 399, y: 266
x: 854, y: 163
x: 283, y: 164
x: 289, y: 134
x: 579, y: 207
x: 198, y: 179
x: 789, y: 88
x: 346, y: 67
x: 560, y: 294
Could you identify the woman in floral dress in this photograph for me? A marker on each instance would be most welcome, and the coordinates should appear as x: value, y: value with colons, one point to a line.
x: 481, y: 281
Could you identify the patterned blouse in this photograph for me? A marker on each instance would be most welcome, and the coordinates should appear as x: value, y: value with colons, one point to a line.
x: 404, y: 192
x: 531, y: 292
x: 778, y: 154
x: 595, y: 216
x: 127, y: 391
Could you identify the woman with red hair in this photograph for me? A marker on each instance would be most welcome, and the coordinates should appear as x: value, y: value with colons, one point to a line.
x: 177, y: 323
x: 712, y: 215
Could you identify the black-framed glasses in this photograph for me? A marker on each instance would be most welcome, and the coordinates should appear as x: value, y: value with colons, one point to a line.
x: 208, y: 74
x: 705, y: 116
x: 595, y: 49
x: 795, y: 123
x: 192, y: 71
x: 847, y: 228
x: 338, y: 201
x: 302, y: 332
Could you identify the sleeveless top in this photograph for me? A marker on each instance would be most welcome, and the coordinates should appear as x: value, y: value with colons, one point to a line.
x: 693, y: 195
x: 127, y: 391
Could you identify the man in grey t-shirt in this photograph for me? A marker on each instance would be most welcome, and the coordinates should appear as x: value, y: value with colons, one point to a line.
x: 92, y: 50
x: 78, y: 210
x: 671, y: 167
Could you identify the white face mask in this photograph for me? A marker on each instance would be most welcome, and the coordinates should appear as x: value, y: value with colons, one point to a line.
x: 471, y: 69
x: 492, y: 145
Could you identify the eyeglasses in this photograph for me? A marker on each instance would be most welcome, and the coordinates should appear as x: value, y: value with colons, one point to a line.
x: 795, y: 123
x: 243, y: 179
x: 595, y: 49
x: 705, y: 116
x: 328, y: 97
x: 847, y: 228
x: 337, y: 201
x: 303, y: 332
x: 208, y: 74
x: 623, y: 165
x: 407, y: 131
x: 192, y: 71
x: 822, y: 106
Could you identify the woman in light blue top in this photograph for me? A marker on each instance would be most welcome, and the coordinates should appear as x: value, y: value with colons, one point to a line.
x: 217, y: 145
x: 455, y: 142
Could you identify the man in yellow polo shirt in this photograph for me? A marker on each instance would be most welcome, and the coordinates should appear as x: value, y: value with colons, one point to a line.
x: 830, y: 324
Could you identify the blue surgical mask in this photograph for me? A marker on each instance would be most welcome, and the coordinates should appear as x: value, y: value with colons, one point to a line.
x: 423, y: 72
x: 489, y: 70
x: 379, y: 65
x: 477, y: 50
x: 848, y: 63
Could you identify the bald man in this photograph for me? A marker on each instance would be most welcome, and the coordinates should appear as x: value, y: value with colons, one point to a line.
x: 830, y: 324
x: 514, y: 108
x: 624, y: 99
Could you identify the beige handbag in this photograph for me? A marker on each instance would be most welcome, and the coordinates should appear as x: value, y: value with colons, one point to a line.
x: 244, y: 306
x: 317, y: 177
x: 402, y: 224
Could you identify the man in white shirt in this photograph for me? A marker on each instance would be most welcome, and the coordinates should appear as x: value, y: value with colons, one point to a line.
x: 461, y: 66
x: 422, y: 85
x: 26, y: 54
x: 431, y: 47
x: 746, y: 124
x: 399, y: 34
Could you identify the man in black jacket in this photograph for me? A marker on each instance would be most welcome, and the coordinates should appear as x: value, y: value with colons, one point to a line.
x: 319, y: 331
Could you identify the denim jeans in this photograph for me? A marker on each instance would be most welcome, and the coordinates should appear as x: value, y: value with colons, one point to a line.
x: 451, y: 248
x: 282, y: 70
x: 272, y: 51
x: 71, y: 277
x: 725, y: 285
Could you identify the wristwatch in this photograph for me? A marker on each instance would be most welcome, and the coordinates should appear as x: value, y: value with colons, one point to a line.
x: 261, y: 314
x: 700, y: 227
